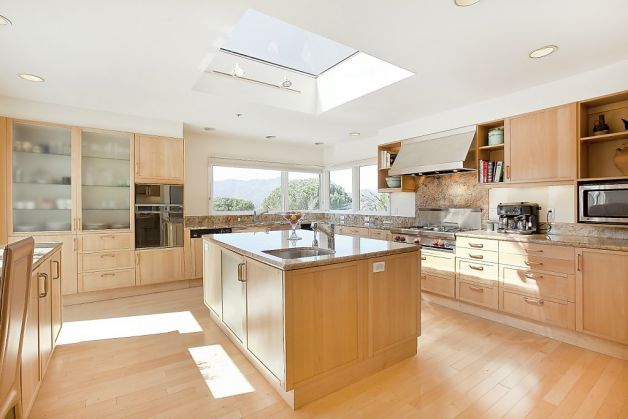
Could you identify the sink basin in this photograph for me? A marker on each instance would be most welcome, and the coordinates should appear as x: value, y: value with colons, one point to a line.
x: 299, y: 252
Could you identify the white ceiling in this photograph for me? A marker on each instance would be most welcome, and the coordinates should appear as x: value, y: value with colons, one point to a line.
x: 144, y: 57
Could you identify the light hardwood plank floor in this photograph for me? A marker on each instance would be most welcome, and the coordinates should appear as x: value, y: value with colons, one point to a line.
x: 160, y: 356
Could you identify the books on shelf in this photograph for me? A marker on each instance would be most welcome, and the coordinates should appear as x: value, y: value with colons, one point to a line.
x: 490, y: 171
x: 386, y: 159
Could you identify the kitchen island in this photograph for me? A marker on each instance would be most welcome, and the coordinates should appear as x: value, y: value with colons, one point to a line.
x: 314, y: 324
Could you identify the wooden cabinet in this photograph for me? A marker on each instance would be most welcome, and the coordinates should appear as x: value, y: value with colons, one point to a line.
x: 264, y: 316
x: 438, y: 273
x: 193, y: 255
x: 158, y: 159
x: 155, y: 266
x: 43, y: 324
x: 212, y: 279
x: 352, y: 231
x: 541, y: 146
x: 602, y: 294
x: 233, y: 292
x: 106, y: 261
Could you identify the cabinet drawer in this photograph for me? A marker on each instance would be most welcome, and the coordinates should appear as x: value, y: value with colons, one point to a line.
x: 476, y: 254
x: 380, y: 234
x: 99, y: 242
x: 107, y: 260
x: 441, y: 264
x: 487, y: 296
x: 438, y: 285
x: 94, y: 281
x: 539, y: 263
x: 485, y: 273
x: 538, y: 284
x: 545, y: 250
x: 353, y: 231
x: 477, y: 244
x: 551, y: 312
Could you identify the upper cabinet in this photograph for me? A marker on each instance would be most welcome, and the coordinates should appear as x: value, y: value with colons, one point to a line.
x: 41, y: 190
x: 158, y: 160
x: 541, y: 146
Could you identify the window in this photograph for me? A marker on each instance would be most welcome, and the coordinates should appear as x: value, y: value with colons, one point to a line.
x: 304, y: 191
x: 237, y: 189
x: 341, y: 190
x: 370, y: 199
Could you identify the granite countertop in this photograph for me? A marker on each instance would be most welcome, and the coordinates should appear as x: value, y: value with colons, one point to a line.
x: 563, y: 240
x: 347, y: 248
x: 285, y: 225
x: 42, y: 251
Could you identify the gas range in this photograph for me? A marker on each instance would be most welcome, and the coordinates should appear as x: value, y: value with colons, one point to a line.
x: 439, y: 228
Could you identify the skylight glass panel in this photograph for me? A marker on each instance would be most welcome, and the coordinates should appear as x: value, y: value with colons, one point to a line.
x: 273, y: 41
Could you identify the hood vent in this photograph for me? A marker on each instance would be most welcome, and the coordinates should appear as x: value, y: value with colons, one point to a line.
x: 437, y: 154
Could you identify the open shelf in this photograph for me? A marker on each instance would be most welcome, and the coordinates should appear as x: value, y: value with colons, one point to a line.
x: 610, y: 178
x: 596, y: 152
x: 408, y: 183
x: 492, y: 147
x: 486, y: 152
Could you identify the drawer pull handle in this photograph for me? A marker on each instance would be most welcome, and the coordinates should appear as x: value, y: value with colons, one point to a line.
x: 423, y: 258
x: 108, y: 256
x: 532, y: 276
x: 478, y: 289
x: 476, y: 245
x: 538, y: 302
x: 477, y: 268
x: 476, y: 256
x: 104, y: 275
x: 535, y: 251
x: 527, y: 262
x: 107, y: 237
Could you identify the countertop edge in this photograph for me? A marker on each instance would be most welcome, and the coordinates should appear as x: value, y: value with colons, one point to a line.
x: 588, y: 242
x: 310, y: 263
x: 55, y: 246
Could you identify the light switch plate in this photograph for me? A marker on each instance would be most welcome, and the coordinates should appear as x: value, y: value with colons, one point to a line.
x: 379, y: 266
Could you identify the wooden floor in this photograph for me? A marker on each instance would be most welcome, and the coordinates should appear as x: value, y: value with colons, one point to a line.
x: 467, y: 367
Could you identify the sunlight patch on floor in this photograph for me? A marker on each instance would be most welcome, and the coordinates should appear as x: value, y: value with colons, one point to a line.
x: 221, y: 374
x: 124, y: 327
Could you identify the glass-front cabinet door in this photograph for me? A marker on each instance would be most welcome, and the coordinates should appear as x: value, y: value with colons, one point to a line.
x: 105, y: 180
x: 42, y: 178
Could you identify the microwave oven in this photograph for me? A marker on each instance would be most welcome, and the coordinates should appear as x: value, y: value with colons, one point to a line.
x: 603, y: 202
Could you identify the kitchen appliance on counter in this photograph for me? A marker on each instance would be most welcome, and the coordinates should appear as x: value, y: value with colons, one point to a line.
x: 437, y: 227
x: 603, y: 202
x: 518, y: 218
x: 158, y: 216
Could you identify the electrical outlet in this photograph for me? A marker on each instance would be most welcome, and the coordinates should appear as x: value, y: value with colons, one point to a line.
x: 379, y: 266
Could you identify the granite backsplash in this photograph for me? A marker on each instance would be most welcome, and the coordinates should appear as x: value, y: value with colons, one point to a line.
x: 452, y: 191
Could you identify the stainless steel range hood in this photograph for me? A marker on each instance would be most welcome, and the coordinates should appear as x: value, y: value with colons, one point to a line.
x: 437, y: 154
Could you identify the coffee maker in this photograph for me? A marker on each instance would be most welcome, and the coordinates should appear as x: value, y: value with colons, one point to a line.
x: 518, y: 217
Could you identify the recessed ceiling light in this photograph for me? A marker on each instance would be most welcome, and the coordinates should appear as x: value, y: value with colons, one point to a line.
x: 4, y: 21
x: 239, y: 114
x: 319, y: 143
x: 286, y: 83
x: 354, y: 133
x: 270, y: 137
x: 237, y: 71
x: 543, y: 51
x: 31, y: 77
x: 208, y: 129
x: 464, y: 3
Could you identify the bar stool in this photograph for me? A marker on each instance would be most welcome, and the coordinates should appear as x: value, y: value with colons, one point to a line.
x: 14, y: 290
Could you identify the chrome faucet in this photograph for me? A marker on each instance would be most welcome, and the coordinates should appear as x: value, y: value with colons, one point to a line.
x: 328, y: 231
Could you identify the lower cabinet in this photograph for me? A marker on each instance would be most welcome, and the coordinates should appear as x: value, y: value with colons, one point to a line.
x: 438, y: 272
x: 233, y: 292
x: 602, y: 284
x: 154, y: 266
x: 43, y: 324
x: 212, y: 280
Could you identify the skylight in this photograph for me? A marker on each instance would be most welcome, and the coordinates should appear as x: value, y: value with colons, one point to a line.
x: 270, y: 40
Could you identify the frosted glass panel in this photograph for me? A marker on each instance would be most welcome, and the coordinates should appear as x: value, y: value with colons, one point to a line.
x: 106, y: 180
x: 41, y: 178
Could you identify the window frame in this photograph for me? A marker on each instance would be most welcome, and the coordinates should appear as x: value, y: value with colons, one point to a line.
x: 263, y: 165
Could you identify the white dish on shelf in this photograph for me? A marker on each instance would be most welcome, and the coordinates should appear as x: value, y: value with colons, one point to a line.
x: 57, y: 225
x: 27, y: 228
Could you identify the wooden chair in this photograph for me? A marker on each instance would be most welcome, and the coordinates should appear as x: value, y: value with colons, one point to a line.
x: 14, y: 290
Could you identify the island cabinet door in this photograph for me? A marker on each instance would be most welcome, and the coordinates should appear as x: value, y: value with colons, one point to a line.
x: 264, y: 315
x: 212, y: 281
x: 233, y: 292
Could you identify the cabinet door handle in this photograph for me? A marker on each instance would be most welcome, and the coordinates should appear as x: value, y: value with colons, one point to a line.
x: 478, y: 289
x: 57, y: 269
x: 508, y: 172
x: 579, y: 263
x: 476, y: 267
x: 476, y: 245
x: 44, y: 276
x: 538, y: 302
x: 532, y: 276
x: 423, y: 258
x: 241, y: 272
x: 527, y: 262
x: 476, y: 256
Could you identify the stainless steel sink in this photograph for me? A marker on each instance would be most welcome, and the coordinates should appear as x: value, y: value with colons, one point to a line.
x: 299, y: 252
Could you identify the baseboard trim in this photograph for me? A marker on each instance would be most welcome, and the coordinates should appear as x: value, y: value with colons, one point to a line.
x: 568, y: 336
x: 112, y: 294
